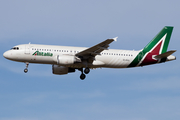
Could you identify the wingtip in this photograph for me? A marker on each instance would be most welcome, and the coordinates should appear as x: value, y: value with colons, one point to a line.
x: 115, y: 39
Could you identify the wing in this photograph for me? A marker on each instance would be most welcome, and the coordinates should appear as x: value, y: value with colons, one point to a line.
x: 97, y: 49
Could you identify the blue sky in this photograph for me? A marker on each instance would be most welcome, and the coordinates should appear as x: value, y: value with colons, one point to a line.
x: 143, y: 93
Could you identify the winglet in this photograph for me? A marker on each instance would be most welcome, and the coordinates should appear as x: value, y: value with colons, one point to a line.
x: 115, y: 39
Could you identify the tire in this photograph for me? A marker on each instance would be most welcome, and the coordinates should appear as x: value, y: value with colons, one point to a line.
x: 86, y: 70
x: 83, y: 76
x: 25, y: 70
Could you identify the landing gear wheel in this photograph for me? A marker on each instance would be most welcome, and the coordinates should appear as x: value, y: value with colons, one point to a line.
x: 26, y: 70
x: 86, y: 70
x: 83, y: 76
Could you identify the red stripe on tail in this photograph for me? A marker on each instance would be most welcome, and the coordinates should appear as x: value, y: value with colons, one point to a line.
x: 149, y: 57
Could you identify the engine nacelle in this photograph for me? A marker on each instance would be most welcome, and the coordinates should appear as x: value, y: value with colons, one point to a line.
x: 66, y: 59
x: 61, y: 70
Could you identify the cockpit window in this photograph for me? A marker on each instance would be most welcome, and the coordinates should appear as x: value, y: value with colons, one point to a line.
x: 15, y: 48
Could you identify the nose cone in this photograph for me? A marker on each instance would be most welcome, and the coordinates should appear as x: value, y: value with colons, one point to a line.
x: 7, y: 55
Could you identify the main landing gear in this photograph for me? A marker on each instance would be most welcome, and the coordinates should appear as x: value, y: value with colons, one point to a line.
x: 86, y: 71
x: 26, y: 69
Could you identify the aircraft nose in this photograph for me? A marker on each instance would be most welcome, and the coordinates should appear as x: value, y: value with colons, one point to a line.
x: 6, y: 54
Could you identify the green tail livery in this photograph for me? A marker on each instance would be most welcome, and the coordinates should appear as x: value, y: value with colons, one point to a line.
x: 157, y: 46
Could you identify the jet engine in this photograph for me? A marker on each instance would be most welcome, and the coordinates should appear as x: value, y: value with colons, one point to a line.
x: 61, y: 70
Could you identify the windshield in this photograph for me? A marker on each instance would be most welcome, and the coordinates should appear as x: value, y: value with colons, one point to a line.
x: 15, y: 48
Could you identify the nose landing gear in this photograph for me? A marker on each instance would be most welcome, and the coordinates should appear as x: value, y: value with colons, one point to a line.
x: 26, y: 69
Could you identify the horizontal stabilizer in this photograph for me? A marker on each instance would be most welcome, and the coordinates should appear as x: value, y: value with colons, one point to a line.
x: 164, y: 55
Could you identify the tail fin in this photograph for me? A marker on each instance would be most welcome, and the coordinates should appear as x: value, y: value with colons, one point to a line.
x: 157, y: 46
x: 160, y: 42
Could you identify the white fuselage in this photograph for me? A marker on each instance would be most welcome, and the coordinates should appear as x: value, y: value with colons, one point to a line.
x: 65, y: 59
x: 47, y: 54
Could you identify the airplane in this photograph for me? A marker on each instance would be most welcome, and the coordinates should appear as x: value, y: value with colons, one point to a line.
x: 66, y: 59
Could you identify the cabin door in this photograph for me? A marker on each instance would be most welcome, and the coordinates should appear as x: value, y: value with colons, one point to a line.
x: 27, y: 49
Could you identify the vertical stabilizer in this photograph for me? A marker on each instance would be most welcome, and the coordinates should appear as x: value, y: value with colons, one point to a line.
x: 156, y: 46
x: 161, y: 40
